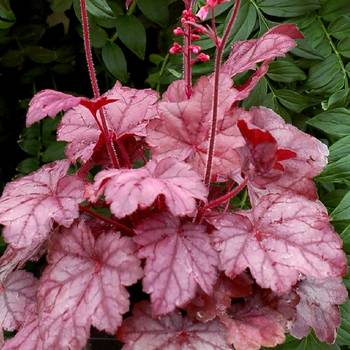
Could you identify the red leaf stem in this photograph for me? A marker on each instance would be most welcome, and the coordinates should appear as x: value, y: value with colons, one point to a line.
x: 128, y: 231
x: 218, y: 61
x: 93, y: 79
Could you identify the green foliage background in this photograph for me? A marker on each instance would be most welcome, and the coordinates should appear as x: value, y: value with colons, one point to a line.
x: 41, y: 47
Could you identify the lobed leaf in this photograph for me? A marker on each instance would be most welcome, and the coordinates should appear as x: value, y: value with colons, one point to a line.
x: 83, y: 285
x: 17, y: 292
x: 170, y: 332
x: 28, y: 336
x: 281, y: 239
x: 318, y: 308
x: 275, y: 43
x: 30, y: 205
x: 129, y: 115
x: 179, y: 259
x: 49, y: 103
x: 253, y: 325
x: 129, y: 189
x: 182, y: 129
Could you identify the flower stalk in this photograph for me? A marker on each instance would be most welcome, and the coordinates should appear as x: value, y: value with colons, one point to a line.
x: 220, y: 46
x: 94, y: 84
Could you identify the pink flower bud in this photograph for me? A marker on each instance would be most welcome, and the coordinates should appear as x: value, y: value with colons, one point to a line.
x: 195, y: 37
x: 178, y: 31
x: 202, y: 57
x: 196, y: 49
x: 175, y: 49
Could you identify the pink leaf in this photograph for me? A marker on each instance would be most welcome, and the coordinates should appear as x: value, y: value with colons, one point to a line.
x: 318, y: 308
x: 263, y: 148
x: 30, y: 205
x: 281, y: 238
x: 171, y: 332
x: 16, y: 294
x: 128, y: 189
x: 129, y: 115
x: 205, y: 307
x: 254, y: 325
x: 83, y: 285
x: 13, y: 259
x: 28, y: 337
x: 182, y: 130
x: 49, y: 103
x: 305, y: 158
x: 179, y: 259
x: 275, y: 43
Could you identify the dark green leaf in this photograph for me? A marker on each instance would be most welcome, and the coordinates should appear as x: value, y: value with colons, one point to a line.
x: 285, y: 71
x: 40, y: 54
x: 132, y: 33
x: 12, y: 58
x: 340, y: 28
x: 342, y: 211
x: 256, y: 98
x: 29, y: 34
x: 294, y: 101
x: 98, y: 36
x: 339, y: 149
x: 343, y: 337
x: 315, y: 45
x: 115, y: 61
x: 7, y: 17
x: 345, y: 236
x: 55, y: 151
x: 335, y: 122
x: 100, y: 9
x: 155, y: 10
x: 337, y: 172
x: 287, y: 8
x: 326, y: 76
x: 28, y: 165
x: 338, y: 99
x: 30, y: 145
x: 344, y: 47
x: 61, y: 5
x: 333, y: 9
x: 245, y: 22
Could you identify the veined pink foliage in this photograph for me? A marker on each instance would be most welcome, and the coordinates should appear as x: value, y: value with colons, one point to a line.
x: 84, y: 284
x: 17, y: 292
x: 318, y: 308
x: 172, y: 248
x: 28, y: 336
x: 129, y: 115
x: 288, y: 158
x: 30, y: 205
x: 241, y: 278
x: 49, y: 103
x: 126, y: 190
x: 278, y: 245
x: 170, y: 332
x: 253, y: 325
x: 182, y: 129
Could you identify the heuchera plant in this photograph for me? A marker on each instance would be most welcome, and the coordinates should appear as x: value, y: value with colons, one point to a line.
x: 216, y: 275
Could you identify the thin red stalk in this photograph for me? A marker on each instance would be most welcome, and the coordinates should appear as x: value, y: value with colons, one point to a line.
x: 115, y: 223
x: 227, y: 196
x: 109, y: 141
x: 187, y: 55
x: 93, y: 79
x: 124, y: 153
x: 221, y: 43
x: 87, y: 47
